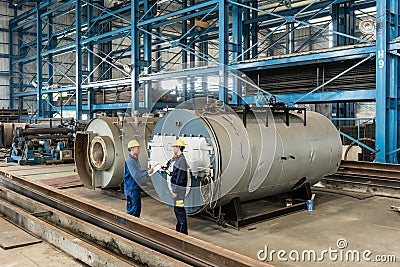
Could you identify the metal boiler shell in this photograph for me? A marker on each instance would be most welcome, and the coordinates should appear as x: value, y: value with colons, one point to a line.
x: 116, y: 137
x: 272, y: 160
x: 111, y: 177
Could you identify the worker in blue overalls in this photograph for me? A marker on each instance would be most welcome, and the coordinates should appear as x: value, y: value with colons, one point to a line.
x: 179, y: 179
x: 132, y: 177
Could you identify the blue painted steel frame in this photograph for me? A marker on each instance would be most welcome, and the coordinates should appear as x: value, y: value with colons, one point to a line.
x: 324, y: 97
x: 387, y: 82
x: 236, y: 40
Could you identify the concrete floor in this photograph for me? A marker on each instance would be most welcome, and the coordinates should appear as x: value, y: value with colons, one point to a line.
x: 41, y: 254
x: 365, y: 224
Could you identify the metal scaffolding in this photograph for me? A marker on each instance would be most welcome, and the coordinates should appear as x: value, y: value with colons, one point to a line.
x: 84, y: 51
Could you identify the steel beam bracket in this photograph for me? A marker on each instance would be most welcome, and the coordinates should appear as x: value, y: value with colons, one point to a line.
x: 283, y: 108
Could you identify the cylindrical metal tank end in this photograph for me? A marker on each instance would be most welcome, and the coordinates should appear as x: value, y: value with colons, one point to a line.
x: 103, y: 163
x: 102, y: 153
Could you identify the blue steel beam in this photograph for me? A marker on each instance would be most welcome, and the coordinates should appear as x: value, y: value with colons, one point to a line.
x: 32, y: 11
x: 334, y: 78
x: 320, y: 56
x: 275, y: 62
x: 366, y: 95
x: 26, y: 60
x: 107, y: 34
x: 358, y: 142
x: 165, y: 19
x: 303, y: 23
x: 46, y: 4
x: 183, y: 18
x: 181, y: 74
x: 52, y: 10
x: 288, y: 22
x: 116, y: 106
x: 314, y: 7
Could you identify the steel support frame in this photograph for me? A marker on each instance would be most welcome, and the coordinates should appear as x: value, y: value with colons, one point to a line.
x: 33, y: 24
x: 238, y: 39
x: 223, y: 50
x: 39, y: 66
x: 387, y: 82
x: 78, y: 60
x: 135, y: 37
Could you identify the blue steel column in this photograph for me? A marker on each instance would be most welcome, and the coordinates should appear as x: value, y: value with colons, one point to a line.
x: 237, y: 29
x: 50, y: 63
x: 393, y: 82
x: 90, y: 59
x: 387, y: 90
x: 147, y: 43
x: 135, y: 57
x: 20, y: 68
x: 39, y: 66
x: 184, y: 55
x: 192, y: 56
x: 254, y: 30
x: 246, y: 34
x: 78, y: 59
x: 158, y: 52
x: 11, y: 65
x: 394, y: 62
x: 204, y: 51
x: 338, y: 23
x: 192, y: 46
x: 223, y: 28
x: 343, y: 21
x: 290, y: 38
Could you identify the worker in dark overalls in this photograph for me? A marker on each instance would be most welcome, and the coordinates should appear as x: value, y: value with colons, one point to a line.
x: 179, y: 179
x: 132, y: 177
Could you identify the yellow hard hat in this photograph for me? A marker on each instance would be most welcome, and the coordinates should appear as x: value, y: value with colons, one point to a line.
x: 179, y: 142
x: 133, y: 143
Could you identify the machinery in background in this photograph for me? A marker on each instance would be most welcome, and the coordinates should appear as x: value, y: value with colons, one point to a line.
x: 47, y: 141
x: 12, y: 115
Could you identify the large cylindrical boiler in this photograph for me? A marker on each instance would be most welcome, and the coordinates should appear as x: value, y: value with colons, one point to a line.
x: 266, y: 153
x: 248, y: 160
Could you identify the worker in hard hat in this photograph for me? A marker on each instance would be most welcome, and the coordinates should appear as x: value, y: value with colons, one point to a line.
x: 179, y: 179
x: 132, y: 177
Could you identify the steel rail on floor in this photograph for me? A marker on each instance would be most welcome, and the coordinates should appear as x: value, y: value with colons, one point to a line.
x: 367, y: 174
x: 164, y: 240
